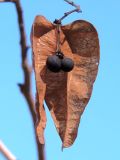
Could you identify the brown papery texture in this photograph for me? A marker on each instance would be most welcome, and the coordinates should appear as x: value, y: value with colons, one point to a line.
x: 66, y: 94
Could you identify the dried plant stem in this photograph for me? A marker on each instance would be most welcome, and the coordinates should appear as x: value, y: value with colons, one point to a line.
x: 6, y: 152
x: 25, y: 88
x: 58, y: 27
x: 59, y: 21
x: 77, y: 9
x: 8, y: 0
x: 73, y: 4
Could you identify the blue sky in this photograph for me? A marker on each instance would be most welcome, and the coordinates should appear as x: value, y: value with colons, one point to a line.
x: 99, y: 131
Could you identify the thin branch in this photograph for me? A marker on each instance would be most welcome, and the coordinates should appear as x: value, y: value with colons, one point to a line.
x: 73, y: 4
x: 25, y: 88
x: 6, y: 152
x: 7, y: 0
x: 77, y: 9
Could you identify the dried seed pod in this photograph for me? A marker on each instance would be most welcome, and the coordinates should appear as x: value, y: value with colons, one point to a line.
x: 66, y: 93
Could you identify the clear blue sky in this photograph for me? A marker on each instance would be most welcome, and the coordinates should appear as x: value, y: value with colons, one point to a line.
x: 99, y: 131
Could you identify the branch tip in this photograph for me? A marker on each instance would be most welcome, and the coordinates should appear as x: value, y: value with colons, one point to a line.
x: 77, y: 9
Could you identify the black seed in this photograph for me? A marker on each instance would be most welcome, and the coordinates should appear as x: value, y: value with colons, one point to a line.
x: 67, y: 64
x: 53, y: 63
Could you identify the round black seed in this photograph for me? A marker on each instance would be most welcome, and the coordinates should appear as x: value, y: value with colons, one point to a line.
x: 53, y: 63
x: 67, y: 64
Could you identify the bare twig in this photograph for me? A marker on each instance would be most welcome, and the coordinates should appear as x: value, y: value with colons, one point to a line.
x: 68, y: 13
x: 25, y: 88
x: 77, y: 9
x: 6, y: 152
x: 7, y: 0
x: 73, y: 4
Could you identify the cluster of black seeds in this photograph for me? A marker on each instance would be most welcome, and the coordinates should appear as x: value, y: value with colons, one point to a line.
x: 58, y: 62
